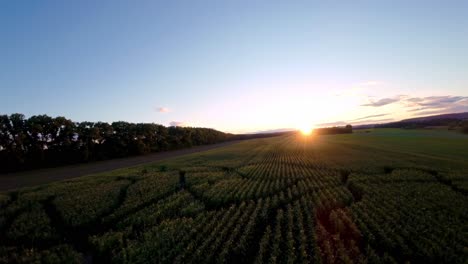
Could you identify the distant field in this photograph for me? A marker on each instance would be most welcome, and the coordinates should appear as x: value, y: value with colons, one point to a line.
x: 387, y: 196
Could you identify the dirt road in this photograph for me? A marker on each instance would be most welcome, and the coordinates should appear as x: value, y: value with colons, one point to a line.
x: 31, y: 178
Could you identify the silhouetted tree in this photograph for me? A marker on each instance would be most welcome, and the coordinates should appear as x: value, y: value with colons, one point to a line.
x: 464, y: 126
x: 42, y: 141
x: 335, y: 130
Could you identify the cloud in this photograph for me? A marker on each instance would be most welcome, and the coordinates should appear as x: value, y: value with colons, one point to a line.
x: 437, y: 104
x: 410, y: 107
x: 278, y: 130
x: 415, y: 99
x: 440, y: 101
x: 420, y: 102
x: 432, y: 112
x: 163, y: 110
x: 419, y: 109
x: 370, y: 116
x: 382, y: 102
x: 357, y: 122
x: 338, y: 123
x: 372, y: 121
x: 177, y: 123
x: 424, y: 106
x: 440, y: 111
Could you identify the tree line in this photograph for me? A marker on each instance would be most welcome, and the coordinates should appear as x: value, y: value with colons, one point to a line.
x: 334, y: 130
x: 464, y: 127
x: 43, y: 141
x: 458, y: 124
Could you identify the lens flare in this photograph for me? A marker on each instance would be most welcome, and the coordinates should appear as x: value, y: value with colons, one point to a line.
x: 306, y: 130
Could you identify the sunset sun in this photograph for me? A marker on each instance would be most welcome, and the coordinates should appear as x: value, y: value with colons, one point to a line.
x: 306, y: 130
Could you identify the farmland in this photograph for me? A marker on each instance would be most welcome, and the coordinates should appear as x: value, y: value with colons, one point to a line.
x: 387, y: 196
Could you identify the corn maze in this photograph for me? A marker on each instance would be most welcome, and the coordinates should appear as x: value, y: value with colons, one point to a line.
x: 276, y: 200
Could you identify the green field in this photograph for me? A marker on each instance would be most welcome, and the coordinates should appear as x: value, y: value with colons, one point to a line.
x: 385, y: 196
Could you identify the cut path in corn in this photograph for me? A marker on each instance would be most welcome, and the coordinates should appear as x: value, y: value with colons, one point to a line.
x: 17, y: 180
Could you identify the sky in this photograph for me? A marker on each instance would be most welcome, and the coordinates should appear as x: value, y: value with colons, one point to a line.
x: 236, y: 66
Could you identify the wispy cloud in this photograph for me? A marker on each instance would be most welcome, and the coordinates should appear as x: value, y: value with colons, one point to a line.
x: 356, y: 122
x: 411, y: 106
x: 373, y: 121
x: 418, y: 109
x: 415, y: 99
x: 178, y: 123
x: 337, y: 123
x: 163, y: 110
x: 437, y: 104
x: 370, y: 116
x: 419, y: 106
x: 382, y: 102
x: 432, y: 112
x: 438, y: 101
x: 440, y: 111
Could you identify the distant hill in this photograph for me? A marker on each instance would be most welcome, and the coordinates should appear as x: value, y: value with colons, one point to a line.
x: 451, y: 120
x: 274, y: 131
x: 458, y: 116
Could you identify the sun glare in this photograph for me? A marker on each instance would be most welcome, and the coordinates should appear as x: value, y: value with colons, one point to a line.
x: 306, y: 130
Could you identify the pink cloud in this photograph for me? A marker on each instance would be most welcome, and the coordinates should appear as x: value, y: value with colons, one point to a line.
x: 163, y: 110
x: 178, y: 123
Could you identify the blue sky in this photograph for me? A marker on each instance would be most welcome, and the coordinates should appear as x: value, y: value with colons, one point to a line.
x: 234, y: 65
